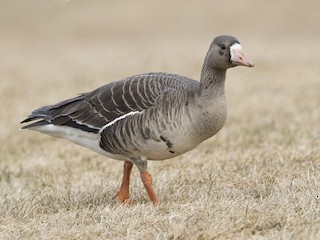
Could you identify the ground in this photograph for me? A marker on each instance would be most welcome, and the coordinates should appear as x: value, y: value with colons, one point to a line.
x: 258, y: 178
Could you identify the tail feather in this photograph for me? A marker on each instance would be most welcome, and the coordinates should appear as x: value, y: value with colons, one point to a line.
x: 36, y: 124
x: 61, y: 114
x: 29, y: 119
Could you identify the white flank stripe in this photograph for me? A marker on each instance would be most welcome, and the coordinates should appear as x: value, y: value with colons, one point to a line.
x: 119, y: 118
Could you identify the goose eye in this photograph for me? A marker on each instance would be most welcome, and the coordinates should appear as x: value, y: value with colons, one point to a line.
x: 223, y: 47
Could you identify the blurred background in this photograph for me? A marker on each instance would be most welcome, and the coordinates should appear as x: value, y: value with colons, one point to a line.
x: 54, y: 49
x: 258, y: 175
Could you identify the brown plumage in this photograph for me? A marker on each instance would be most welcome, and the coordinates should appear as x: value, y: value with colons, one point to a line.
x: 152, y: 116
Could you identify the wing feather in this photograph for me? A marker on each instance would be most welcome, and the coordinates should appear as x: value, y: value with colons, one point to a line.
x: 93, y: 110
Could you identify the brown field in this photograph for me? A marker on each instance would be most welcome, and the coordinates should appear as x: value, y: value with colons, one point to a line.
x: 258, y: 178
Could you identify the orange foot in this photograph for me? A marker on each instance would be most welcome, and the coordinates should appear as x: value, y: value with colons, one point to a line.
x: 123, y: 197
x: 123, y: 193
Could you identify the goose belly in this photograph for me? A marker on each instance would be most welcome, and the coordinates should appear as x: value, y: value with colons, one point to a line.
x: 158, y: 145
x: 169, y: 146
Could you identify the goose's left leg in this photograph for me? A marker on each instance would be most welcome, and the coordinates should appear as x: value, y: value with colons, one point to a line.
x: 123, y: 193
x: 146, y: 178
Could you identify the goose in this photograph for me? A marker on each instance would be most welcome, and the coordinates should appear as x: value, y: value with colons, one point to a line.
x: 150, y: 116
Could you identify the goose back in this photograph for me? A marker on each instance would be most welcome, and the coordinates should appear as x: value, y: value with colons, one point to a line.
x: 92, y: 111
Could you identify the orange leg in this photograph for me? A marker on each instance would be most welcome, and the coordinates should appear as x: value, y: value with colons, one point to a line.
x: 147, y: 182
x: 123, y: 193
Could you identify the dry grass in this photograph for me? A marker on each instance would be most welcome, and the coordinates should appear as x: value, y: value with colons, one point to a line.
x: 258, y: 178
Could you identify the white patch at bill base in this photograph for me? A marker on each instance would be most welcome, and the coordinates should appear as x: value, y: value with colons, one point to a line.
x: 235, y: 47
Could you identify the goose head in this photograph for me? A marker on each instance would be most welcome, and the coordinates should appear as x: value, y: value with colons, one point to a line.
x: 226, y: 52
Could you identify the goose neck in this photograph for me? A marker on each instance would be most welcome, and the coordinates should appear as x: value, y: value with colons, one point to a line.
x: 212, y: 81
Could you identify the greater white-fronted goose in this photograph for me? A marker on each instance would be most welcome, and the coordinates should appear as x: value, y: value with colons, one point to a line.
x: 151, y: 116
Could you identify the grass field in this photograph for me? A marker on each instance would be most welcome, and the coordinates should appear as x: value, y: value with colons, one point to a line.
x: 258, y: 178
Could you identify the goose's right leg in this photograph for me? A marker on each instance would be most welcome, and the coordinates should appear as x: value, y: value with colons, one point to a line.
x: 146, y: 178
